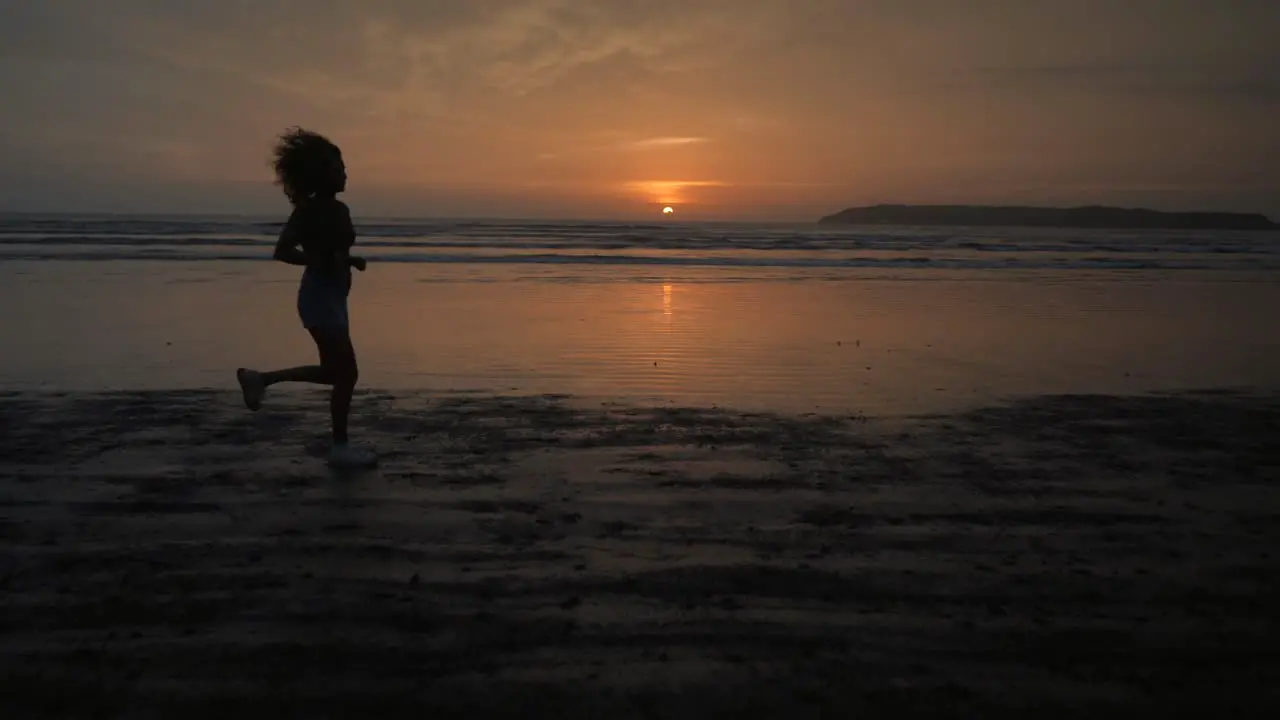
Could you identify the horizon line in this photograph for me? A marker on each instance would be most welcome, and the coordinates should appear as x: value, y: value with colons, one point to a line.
x: 630, y: 218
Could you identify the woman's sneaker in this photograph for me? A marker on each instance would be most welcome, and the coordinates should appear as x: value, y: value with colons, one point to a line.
x: 252, y: 386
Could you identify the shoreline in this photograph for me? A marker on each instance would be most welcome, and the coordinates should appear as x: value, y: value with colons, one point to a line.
x: 168, y: 551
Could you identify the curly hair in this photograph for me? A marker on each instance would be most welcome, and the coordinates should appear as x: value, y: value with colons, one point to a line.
x: 299, y: 159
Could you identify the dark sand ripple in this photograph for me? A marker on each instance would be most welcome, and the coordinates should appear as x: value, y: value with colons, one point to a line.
x: 167, y: 554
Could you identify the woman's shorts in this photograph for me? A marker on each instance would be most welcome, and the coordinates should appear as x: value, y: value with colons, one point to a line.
x: 321, y: 303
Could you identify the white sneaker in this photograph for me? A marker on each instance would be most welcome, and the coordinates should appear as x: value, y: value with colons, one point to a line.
x: 252, y: 386
x: 346, y: 456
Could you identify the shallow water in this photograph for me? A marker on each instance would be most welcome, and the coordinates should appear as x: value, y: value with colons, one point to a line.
x: 873, y: 341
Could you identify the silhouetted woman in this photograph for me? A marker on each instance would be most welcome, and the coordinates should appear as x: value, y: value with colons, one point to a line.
x: 318, y: 236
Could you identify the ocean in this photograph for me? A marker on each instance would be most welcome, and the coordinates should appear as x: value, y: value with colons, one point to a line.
x: 768, y: 316
x: 657, y: 245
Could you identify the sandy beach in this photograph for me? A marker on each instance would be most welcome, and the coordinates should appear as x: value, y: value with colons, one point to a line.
x: 169, y: 554
x: 645, y: 488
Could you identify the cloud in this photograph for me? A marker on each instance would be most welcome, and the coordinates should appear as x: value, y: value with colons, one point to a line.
x: 625, y: 146
x: 663, y: 142
x: 670, y: 191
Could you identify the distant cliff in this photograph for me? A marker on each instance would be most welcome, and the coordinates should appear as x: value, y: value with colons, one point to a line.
x: 1080, y: 217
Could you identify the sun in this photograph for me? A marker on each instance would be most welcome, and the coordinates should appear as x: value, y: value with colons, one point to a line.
x: 668, y: 210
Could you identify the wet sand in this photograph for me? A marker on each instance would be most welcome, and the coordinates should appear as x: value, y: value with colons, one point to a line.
x: 882, y: 343
x: 167, y: 554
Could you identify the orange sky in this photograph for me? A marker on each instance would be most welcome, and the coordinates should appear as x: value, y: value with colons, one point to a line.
x: 723, y: 108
